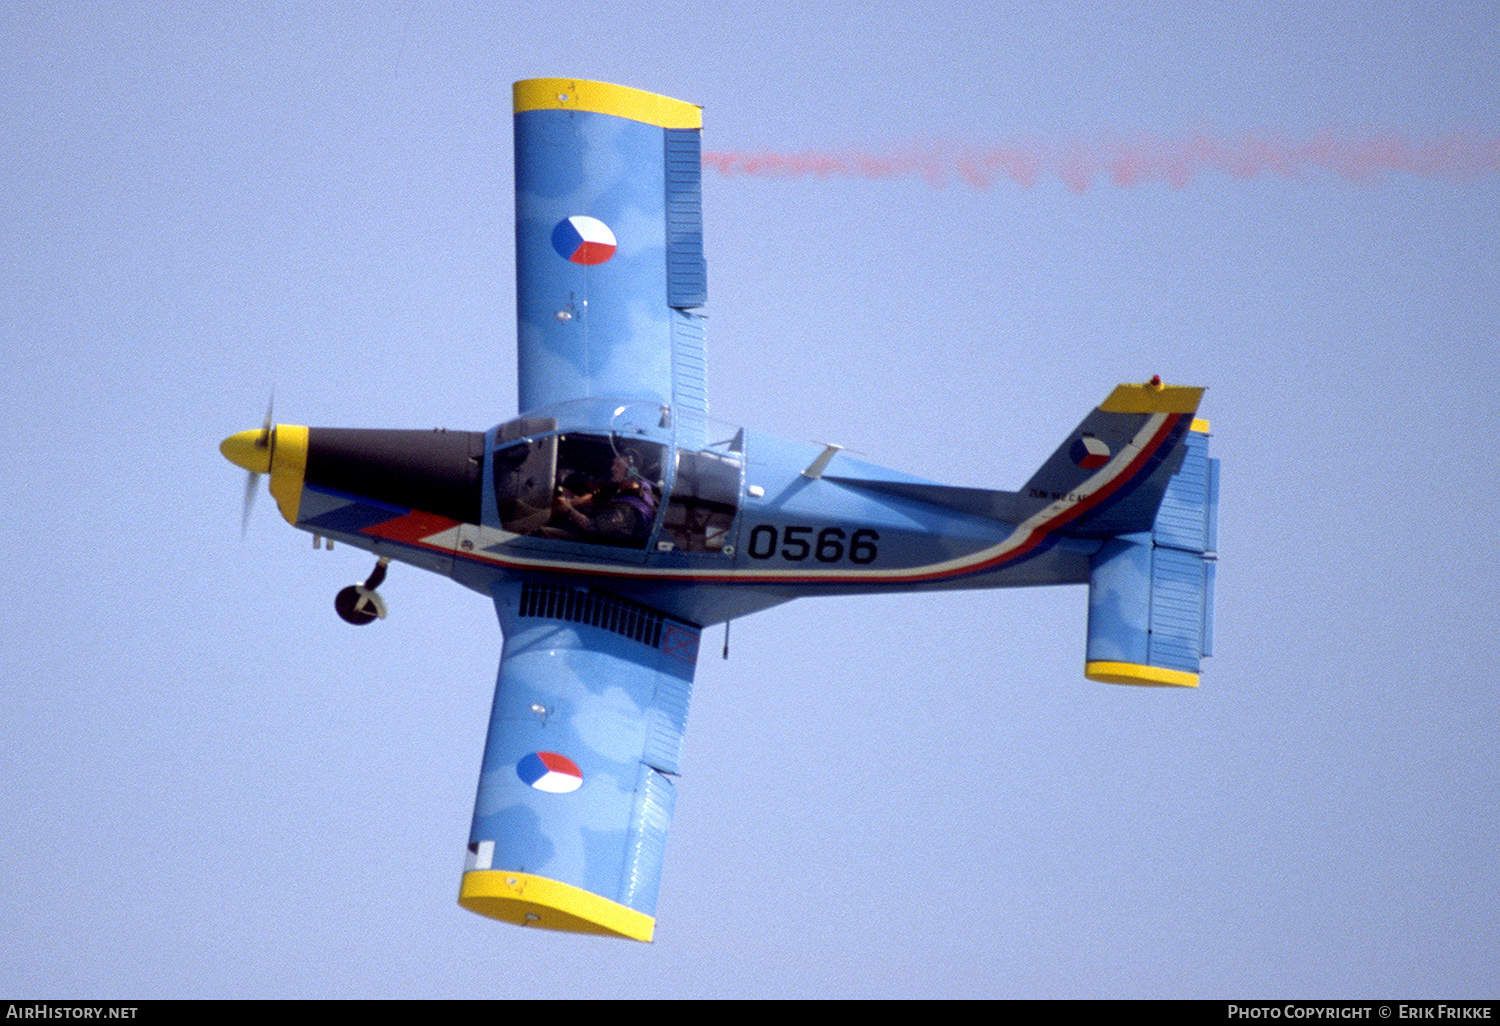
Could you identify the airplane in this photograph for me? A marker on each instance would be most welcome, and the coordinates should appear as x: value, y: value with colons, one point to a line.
x: 609, y: 529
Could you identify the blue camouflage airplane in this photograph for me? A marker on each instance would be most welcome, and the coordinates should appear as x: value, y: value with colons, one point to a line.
x: 610, y: 531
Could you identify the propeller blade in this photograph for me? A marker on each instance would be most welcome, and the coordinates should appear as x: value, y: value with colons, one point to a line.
x: 252, y: 486
x: 265, y: 440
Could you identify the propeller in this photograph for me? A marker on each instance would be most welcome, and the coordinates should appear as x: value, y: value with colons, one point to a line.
x: 279, y: 450
x: 253, y: 451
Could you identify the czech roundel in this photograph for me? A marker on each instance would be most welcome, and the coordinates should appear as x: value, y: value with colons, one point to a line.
x: 1089, y: 453
x: 548, y: 771
x: 583, y: 240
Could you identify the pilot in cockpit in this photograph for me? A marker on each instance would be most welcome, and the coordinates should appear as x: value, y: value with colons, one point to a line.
x: 616, y: 512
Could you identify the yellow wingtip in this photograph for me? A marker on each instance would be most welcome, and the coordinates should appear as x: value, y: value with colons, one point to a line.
x: 529, y: 900
x: 605, y: 98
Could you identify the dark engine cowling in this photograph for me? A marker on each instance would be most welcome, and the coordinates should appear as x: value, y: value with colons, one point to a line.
x: 435, y: 471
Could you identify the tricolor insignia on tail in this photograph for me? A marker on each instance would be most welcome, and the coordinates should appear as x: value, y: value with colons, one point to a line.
x: 1133, y: 440
x: 1089, y: 452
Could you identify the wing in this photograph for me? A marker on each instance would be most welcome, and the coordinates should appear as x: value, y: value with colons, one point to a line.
x: 576, y: 792
x: 609, y: 247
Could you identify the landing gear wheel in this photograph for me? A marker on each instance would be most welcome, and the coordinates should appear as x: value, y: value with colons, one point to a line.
x: 360, y: 604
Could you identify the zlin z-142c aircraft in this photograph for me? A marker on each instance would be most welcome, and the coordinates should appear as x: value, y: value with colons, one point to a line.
x: 609, y: 530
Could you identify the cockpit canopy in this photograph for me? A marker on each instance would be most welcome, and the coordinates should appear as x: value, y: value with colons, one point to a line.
x: 610, y: 488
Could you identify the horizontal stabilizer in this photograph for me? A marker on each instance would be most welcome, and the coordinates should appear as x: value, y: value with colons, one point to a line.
x: 1151, y: 593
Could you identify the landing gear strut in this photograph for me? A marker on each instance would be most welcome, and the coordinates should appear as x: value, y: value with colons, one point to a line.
x: 360, y: 604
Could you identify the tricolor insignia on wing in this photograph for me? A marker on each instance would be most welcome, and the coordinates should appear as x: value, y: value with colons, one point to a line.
x: 548, y: 771
x: 583, y: 240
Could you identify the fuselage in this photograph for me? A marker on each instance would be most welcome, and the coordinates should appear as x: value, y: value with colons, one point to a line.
x: 598, y: 492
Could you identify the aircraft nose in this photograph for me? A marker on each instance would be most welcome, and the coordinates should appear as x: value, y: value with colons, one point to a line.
x: 250, y: 450
x: 279, y: 450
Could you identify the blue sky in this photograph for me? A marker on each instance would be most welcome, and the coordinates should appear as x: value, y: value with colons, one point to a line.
x: 213, y: 787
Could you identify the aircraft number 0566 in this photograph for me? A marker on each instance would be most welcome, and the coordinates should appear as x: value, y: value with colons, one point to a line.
x: 826, y: 546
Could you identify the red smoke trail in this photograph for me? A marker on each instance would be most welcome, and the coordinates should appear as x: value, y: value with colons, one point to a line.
x: 1135, y: 162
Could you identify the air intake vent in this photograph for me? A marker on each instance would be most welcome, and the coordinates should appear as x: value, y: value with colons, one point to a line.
x: 607, y: 612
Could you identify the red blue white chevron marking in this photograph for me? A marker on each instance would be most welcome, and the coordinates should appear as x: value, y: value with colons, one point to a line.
x: 1089, y: 452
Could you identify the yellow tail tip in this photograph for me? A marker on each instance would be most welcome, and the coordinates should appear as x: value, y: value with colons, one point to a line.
x: 1138, y: 673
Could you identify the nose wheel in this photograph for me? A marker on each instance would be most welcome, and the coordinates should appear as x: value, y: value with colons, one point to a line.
x: 360, y: 604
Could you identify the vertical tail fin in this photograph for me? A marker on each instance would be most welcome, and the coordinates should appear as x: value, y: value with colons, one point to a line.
x: 1114, y: 467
